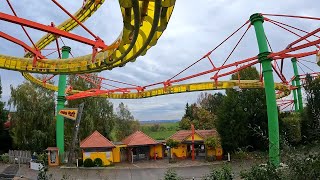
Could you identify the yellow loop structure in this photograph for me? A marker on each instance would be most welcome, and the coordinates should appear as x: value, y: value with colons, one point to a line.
x: 143, y: 24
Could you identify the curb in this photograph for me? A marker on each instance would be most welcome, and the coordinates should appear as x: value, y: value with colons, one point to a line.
x: 159, y: 167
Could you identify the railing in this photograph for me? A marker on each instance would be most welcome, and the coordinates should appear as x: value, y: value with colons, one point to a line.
x: 16, y: 156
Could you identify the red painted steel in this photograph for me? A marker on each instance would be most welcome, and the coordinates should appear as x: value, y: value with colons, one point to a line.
x: 24, y: 22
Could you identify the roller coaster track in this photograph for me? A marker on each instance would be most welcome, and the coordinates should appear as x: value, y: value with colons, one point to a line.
x: 143, y: 24
x: 126, y: 93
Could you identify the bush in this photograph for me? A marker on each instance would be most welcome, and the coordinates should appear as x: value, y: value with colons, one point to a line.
x: 212, y: 142
x: 98, y: 162
x: 220, y: 174
x: 264, y: 172
x: 43, y: 158
x: 88, y: 163
x: 172, y: 143
x: 171, y: 175
x: 210, y: 158
x: 241, y: 153
x: 292, y: 128
x: 5, y: 158
x: 305, y: 167
x: 43, y: 173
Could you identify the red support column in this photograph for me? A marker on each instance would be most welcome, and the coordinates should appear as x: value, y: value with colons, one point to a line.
x: 192, y: 154
x: 155, y: 157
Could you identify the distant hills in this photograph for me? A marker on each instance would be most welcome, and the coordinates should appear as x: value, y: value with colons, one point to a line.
x: 159, y: 121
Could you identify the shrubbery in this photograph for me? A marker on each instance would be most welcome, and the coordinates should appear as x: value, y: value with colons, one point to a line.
x: 264, y: 172
x: 5, y: 158
x: 291, y: 128
x: 171, y: 175
x: 88, y: 163
x: 221, y: 174
x: 98, y: 162
x: 299, y: 167
x: 210, y: 158
x: 305, y: 166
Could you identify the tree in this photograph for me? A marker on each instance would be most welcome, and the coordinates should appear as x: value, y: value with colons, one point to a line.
x: 97, y: 114
x: 33, y: 123
x: 125, y: 123
x: 212, y: 142
x: 203, y: 119
x: 197, y: 115
x: 189, y: 111
x: 172, y: 144
x: 242, y: 118
x: 4, y: 134
x: 202, y: 114
x: 185, y: 123
x: 210, y: 102
x: 310, y: 121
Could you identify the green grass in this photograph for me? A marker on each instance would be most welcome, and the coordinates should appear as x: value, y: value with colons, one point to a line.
x: 160, y: 135
x: 167, y: 129
x: 166, y: 125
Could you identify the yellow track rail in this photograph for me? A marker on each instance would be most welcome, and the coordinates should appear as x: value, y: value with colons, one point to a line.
x: 204, y: 86
x: 143, y: 24
x: 183, y: 88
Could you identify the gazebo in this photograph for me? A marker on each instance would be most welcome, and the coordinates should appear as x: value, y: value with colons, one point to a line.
x: 141, y: 146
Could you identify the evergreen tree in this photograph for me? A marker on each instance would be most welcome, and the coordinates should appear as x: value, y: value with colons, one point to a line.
x: 242, y: 118
x: 311, y: 114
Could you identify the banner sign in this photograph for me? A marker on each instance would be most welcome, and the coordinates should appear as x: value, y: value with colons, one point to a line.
x: 70, y: 113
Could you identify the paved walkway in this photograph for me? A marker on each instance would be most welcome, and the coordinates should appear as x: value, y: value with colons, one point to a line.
x: 143, y: 170
x: 9, y: 171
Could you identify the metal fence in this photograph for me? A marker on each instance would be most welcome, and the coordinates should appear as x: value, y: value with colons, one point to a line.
x: 23, y: 156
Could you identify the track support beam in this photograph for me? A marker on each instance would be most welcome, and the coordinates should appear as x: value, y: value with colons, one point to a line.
x: 272, y: 111
x: 297, y: 82
x: 295, y: 98
x: 60, y: 105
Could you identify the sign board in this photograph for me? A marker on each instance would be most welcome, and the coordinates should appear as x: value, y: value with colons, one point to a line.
x: 70, y: 113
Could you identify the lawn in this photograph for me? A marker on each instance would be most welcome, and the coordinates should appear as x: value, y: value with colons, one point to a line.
x: 160, y: 131
x: 160, y: 135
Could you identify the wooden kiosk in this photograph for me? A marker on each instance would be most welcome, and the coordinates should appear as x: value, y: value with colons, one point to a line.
x: 53, y: 156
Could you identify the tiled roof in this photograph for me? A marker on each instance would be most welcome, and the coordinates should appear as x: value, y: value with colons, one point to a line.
x: 96, y: 140
x: 207, y: 133
x: 180, y: 135
x: 52, y: 149
x: 183, y: 134
x: 138, y: 139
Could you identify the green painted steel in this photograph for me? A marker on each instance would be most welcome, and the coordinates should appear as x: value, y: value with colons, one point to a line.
x: 297, y: 81
x: 295, y: 98
x: 272, y: 110
x: 60, y: 105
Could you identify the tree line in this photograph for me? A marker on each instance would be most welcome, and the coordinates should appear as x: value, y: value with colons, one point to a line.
x: 240, y: 115
x: 33, y: 123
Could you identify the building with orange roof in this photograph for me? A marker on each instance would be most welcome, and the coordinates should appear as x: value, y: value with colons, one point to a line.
x: 184, y: 137
x: 97, y: 146
x: 141, y: 146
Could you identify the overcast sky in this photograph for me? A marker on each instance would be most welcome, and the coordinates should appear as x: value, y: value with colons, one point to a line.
x: 194, y: 29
